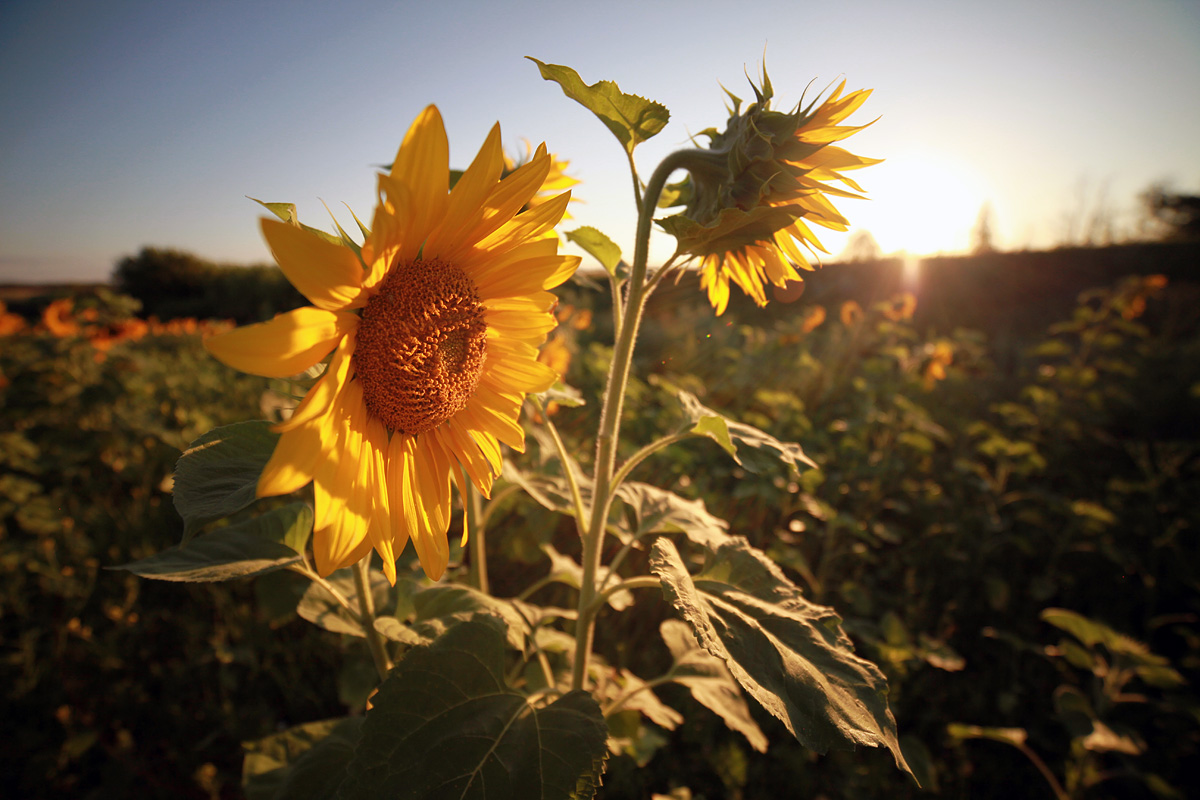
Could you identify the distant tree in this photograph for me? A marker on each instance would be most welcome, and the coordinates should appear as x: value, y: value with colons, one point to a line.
x: 982, y: 240
x: 861, y: 246
x: 173, y: 283
x: 168, y: 282
x: 1091, y: 221
x: 1172, y: 216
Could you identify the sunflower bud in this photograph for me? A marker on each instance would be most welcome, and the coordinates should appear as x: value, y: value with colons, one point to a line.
x: 750, y: 194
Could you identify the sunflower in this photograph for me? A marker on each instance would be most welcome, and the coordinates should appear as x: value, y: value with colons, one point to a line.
x: 556, y: 181
x: 757, y: 186
x: 433, y: 328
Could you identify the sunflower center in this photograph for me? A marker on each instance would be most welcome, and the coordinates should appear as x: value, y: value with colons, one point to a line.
x: 421, y: 346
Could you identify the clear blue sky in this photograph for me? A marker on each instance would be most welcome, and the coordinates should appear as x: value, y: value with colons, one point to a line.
x: 129, y: 123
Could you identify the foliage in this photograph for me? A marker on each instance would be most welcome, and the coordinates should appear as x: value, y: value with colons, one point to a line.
x: 892, y: 582
x: 172, y: 283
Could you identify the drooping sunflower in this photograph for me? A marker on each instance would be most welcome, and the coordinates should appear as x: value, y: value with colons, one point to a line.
x: 433, y: 329
x: 754, y: 190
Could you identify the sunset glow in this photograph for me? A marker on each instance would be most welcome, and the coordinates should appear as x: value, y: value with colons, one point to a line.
x: 920, y: 204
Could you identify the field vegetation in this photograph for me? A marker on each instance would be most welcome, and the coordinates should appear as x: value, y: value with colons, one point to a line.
x: 1003, y: 513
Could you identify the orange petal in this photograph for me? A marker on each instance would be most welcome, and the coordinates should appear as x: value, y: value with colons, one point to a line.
x: 329, y: 275
x: 423, y: 165
x: 465, y: 207
x: 320, y: 397
x: 292, y: 463
x: 284, y: 346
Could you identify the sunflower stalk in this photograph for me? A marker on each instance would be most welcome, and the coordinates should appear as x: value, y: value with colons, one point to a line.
x: 366, y: 607
x: 473, y: 526
x: 610, y: 416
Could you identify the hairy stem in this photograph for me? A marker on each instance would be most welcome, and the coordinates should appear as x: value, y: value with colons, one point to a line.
x: 610, y: 415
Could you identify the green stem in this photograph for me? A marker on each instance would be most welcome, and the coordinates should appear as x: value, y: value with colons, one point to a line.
x: 366, y: 606
x: 475, y: 536
x: 610, y: 415
x: 565, y: 458
x: 622, y: 699
x: 643, y: 454
x: 641, y: 582
x: 307, y: 571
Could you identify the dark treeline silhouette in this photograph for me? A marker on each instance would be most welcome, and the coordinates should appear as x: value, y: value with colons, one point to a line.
x: 998, y: 293
x: 172, y: 284
x: 1177, y: 216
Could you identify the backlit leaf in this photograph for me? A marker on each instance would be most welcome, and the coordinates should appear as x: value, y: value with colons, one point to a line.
x: 709, y: 681
x: 321, y: 608
x: 598, y: 246
x: 658, y: 510
x: 632, y: 119
x: 789, y: 654
x: 730, y: 434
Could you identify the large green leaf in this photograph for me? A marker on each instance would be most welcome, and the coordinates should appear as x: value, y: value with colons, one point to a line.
x: 445, y: 724
x: 658, y: 510
x: 306, y: 762
x: 632, y: 119
x: 249, y: 548
x: 218, y: 474
x: 729, y: 434
x: 789, y: 654
x: 709, y: 681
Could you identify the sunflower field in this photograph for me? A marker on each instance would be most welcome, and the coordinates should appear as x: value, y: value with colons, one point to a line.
x: 1015, y: 547
x: 669, y: 540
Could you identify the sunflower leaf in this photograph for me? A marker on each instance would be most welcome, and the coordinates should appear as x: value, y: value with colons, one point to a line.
x: 599, y: 247
x: 446, y: 724
x: 306, y: 762
x: 253, y: 547
x: 658, y: 510
x: 442, y: 606
x: 218, y: 474
x: 729, y: 434
x: 709, y: 681
x: 632, y: 119
x: 322, y: 609
x: 789, y: 654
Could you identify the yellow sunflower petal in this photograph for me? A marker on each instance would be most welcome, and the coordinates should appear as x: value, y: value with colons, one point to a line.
x: 496, y: 413
x: 530, y: 224
x: 329, y: 275
x: 292, y: 463
x: 465, y: 207
x: 423, y: 165
x: 415, y: 487
x: 458, y: 444
x: 380, y: 527
x: 317, y: 402
x: 284, y: 346
x: 519, y: 318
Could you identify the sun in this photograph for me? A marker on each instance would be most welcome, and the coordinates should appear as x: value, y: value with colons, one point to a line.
x: 919, y: 204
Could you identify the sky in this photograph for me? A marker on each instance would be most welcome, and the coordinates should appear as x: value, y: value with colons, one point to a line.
x: 135, y: 123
